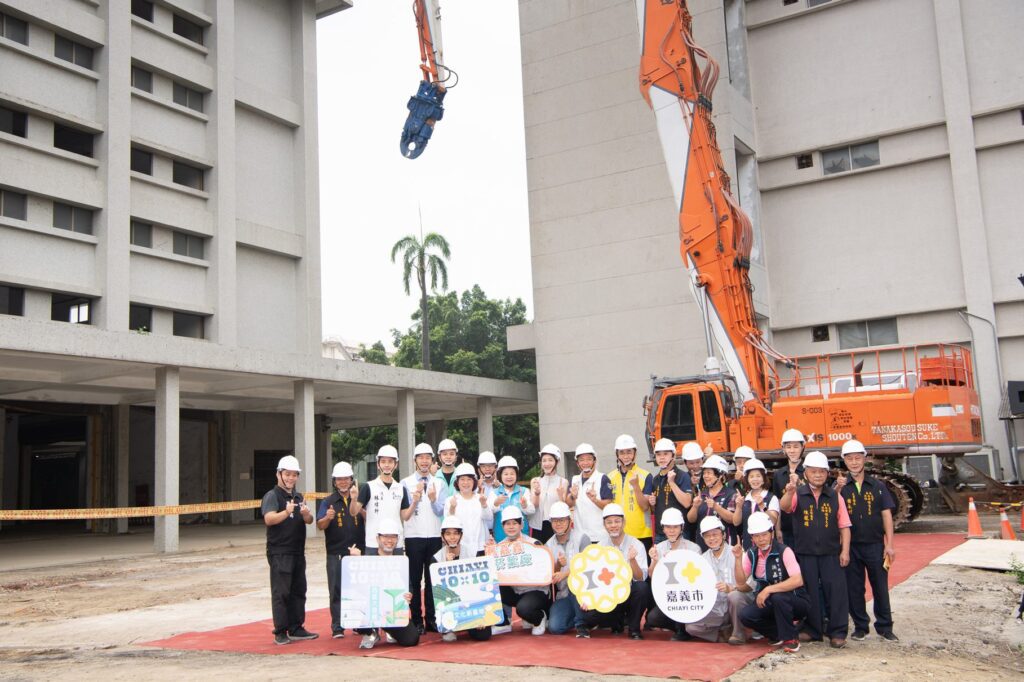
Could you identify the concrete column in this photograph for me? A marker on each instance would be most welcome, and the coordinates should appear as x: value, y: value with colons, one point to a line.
x: 3, y: 455
x: 970, y: 221
x: 324, y: 456
x: 485, y: 424
x: 239, y: 471
x: 305, y: 439
x: 221, y: 138
x: 406, y: 430
x: 122, y: 458
x: 165, y: 528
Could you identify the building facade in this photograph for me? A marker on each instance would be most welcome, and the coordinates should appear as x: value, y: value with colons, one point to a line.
x: 876, y: 146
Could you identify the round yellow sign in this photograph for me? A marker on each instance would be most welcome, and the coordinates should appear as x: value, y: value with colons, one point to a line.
x: 600, y: 578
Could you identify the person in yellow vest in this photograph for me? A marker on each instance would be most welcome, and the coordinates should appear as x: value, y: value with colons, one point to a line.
x: 627, y: 483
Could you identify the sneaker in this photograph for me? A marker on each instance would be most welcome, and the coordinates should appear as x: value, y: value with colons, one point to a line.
x: 680, y: 636
x: 858, y: 635
x: 281, y: 638
x: 837, y: 642
x: 889, y: 636
x: 736, y: 641
x: 778, y: 642
x: 369, y: 640
x: 338, y: 634
x: 302, y: 633
x: 524, y: 625
x: 805, y: 636
x: 582, y: 633
x: 636, y: 634
x: 500, y: 629
x: 791, y: 646
x: 756, y: 636
x: 420, y: 629
x: 541, y: 627
x: 448, y: 637
x: 389, y: 639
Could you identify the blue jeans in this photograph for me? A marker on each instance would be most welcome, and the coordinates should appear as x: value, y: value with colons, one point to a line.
x: 565, y: 613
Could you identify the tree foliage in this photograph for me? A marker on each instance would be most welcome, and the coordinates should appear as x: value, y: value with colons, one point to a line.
x: 418, y: 258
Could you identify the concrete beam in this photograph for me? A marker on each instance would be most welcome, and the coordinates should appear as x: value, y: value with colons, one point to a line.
x: 406, y: 430
x: 485, y: 424
x: 305, y: 438
x: 165, y: 528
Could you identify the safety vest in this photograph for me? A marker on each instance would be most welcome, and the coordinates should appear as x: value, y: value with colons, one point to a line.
x: 384, y: 503
x: 816, y: 522
x: 865, y: 509
x: 423, y: 523
x: 637, y: 520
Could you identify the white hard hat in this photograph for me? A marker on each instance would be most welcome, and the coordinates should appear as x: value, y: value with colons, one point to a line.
x: 717, y: 463
x: 664, y: 445
x: 793, y: 436
x: 625, y: 442
x: 553, y: 450
x: 342, y: 470
x: 585, y: 449
x: 288, y: 463
x: 388, y: 451
x: 710, y: 523
x: 511, y: 513
x: 693, y: 452
x: 816, y: 459
x: 451, y: 522
x: 464, y: 469
x: 744, y: 452
x: 612, y: 510
x: 559, y: 510
x: 759, y: 522
x: 853, y: 446
x: 423, y: 449
x: 486, y: 457
x: 447, y: 444
x: 508, y: 461
x: 389, y: 527
x: 671, y: 517
x: 754, y: 465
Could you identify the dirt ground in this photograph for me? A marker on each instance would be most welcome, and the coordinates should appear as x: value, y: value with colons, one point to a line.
x: 83, y: 622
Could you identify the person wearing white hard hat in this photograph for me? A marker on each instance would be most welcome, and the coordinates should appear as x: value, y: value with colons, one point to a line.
x: 671, y: 523
x: 589, y: 493
x: 471, y: 508
x: 448, y: 458
x: 821, y: 535
x: 531, y: 603
x: 757, y: 499
x: 383, y: 498
x: 793, y: 445
x: 388, y: 533
x: 723, y: 622
x: 630, y: 612
x: 566, y: 542
x: 487, y: 469
x: 670, y: 488
x: 715, y: 499
x: 285, y: 515
x: 628, y: 481
x: 453, y: 549
x: 546, y: 490
x: 871, y: 544
x: 423, y: 533
x: 509, y: 494
x: 342, y: 532
x: 780, y: 598
x: 743, y: 454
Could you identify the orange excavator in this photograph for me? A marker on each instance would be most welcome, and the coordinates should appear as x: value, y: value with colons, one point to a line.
x: 898, y: 401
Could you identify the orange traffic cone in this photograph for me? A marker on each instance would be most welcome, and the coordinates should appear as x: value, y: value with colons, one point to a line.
x: 973, y: 522
x: 1005, y: 529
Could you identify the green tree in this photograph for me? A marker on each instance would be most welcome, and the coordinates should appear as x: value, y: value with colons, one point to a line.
x: 417, y: 257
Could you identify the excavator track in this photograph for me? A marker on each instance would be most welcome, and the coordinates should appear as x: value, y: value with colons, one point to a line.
x: 906, y: 493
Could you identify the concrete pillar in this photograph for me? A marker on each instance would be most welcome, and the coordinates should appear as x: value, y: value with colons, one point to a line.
x: 239, y: 472
x: 305, y: 439
x: 485, y: 424
x: 3, y: 455
x: 122, y: 459
x: 325, y: 459
x: 165, y: 528
x: 221, y: 137
x: 406, y: 430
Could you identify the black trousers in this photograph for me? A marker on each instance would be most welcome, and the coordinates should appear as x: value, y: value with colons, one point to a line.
x: 656, y: 618
x: 865, y: 557
x: 630, y: 611
x: 420, y: 551
x: 531, y: 606
x: 542, y: 534
x: 407, y: 635
x: 287, y: 591
x: 775, y: 619
x: 824, y: 570
x: 334, y: 589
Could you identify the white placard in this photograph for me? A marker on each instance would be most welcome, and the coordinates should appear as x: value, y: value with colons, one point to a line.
x: 683, y: 585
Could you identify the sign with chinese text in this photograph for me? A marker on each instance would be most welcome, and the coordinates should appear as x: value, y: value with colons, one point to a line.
x: 373, y: 591
x: 600, y: 578
x: 466, y: 594
x: 683, y: 585
x: 521, y: 564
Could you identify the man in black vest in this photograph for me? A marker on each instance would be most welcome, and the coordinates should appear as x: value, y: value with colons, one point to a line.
x: 342, y: 531
x: 286, y: 515
x: 670, y: 488
x: 793, y: 447
x: 821, y: 533
x: 871, y: 549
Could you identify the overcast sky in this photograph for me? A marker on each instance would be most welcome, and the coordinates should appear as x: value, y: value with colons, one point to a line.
x: 470, y: 181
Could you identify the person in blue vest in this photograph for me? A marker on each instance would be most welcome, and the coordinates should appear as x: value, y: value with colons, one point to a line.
x: 779, y: 594
x: 509, y: 494
x: 821, y: 533
x: 871, y: 544
x: 757, y: 499
x: 793, y: 443
x: 342, y: 531
x: 716, y: 498
x: 447, y: 458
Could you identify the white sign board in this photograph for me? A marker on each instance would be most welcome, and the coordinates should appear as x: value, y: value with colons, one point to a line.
x: 683, y: 585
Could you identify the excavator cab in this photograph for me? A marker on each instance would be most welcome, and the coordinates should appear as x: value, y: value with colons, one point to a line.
x: 689, y: 411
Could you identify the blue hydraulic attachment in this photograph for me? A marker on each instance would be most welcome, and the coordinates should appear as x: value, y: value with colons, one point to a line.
x: 425, y: 109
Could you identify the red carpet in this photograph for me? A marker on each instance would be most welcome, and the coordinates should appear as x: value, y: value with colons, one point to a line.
x: 603, y: 654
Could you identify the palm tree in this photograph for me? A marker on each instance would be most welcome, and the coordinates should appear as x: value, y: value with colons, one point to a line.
x: 415, y: 257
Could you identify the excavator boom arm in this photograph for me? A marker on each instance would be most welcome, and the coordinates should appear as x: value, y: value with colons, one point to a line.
x: 425, y: 107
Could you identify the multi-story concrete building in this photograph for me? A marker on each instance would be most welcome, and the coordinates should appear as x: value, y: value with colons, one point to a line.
x: 160, y: 249
x: 877, y: 145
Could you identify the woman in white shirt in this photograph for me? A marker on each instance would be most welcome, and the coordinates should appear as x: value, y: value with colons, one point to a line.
x: 471, y: 508
x: 547, y: 489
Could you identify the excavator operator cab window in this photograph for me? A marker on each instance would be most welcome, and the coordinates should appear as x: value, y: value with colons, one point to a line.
x: 677, y: 418
x: 710, y: 415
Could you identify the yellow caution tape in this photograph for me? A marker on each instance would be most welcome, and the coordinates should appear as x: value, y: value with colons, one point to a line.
x: 128, y: 512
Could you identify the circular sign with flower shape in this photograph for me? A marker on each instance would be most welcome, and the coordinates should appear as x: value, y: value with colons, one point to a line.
x: 600, y: 578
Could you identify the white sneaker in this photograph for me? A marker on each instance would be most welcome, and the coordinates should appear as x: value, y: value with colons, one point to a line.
x: 524, y: 624
x: 369, y: 640
x: 388, y: 638
x: 756, y: 636
x: 448, y: 637
x: 541, y: 628
x: 501, y: 629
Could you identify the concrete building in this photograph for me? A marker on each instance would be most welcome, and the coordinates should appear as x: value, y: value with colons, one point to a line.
x: 160, y: 261
x: 877, y: 145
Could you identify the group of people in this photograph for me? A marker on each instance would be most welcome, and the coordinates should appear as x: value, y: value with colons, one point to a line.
x: 790, y: 551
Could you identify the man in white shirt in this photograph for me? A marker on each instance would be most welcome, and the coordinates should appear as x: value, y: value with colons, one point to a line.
x: 632, y: 610
x: 423, y: 534
x: 589, y: 493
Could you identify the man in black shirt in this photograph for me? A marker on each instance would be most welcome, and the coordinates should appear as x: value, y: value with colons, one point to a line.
x: 343, y: 531
x: 286, y: 515
x: 793, y: 443
x: 670, y: 488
